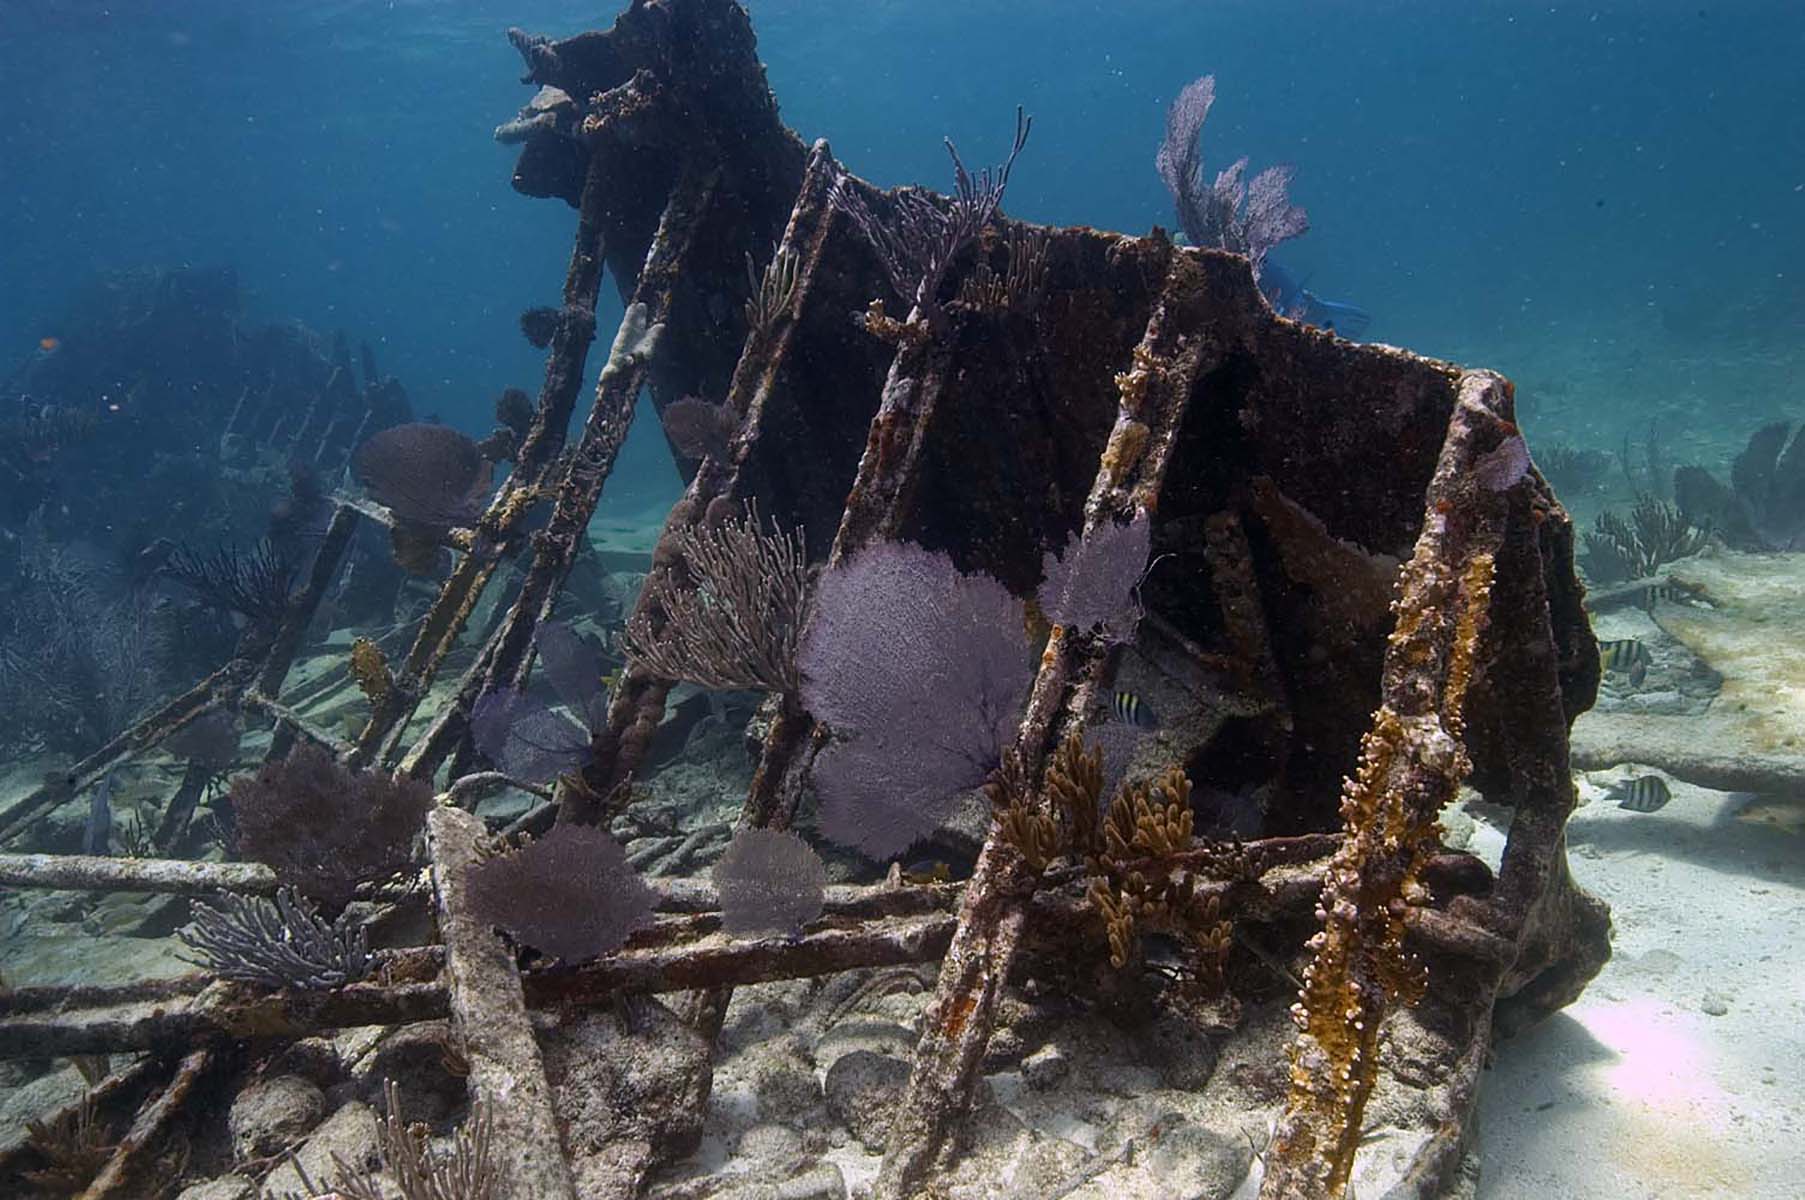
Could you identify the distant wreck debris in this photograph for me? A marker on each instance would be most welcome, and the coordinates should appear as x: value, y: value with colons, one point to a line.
x: 1147, y: 404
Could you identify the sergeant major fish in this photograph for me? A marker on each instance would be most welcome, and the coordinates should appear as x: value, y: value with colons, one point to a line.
x: 1627, y: 655
x: 1130, y: 709
x: 1644, y: 794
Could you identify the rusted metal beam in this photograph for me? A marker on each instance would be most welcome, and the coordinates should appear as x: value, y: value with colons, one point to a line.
x: 507, y: 655
x: 566, y: 357
x: 1154, y: 393
x: 488, y: 1010
x: 125, y: 1172
x: 224, y: 684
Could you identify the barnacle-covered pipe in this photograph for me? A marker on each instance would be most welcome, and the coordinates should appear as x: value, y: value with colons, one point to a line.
x: 1412, y: 761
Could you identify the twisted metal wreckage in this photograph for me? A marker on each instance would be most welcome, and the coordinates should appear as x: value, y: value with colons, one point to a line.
x: 1280, y: 465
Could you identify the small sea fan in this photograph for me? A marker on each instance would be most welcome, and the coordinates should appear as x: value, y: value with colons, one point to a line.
x: 571, y: 894
x: 1092, y: 583
x: 525, y: 738
x: 427, y: 474
x: 324, y: 829
x: 573, y: 667
x: 769, y: 881
x: 211, y: 740
x: 699, y: 428
x: 1502, y: 467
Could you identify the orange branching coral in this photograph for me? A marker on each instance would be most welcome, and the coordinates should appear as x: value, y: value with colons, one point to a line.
x: 1411, y: 763
x: 1136, y: 881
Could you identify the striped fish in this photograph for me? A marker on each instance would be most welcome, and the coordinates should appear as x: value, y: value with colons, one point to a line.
x: 1626, y: 655
x: 1667, y: 593
x: 1644, y: 794
x: 1130, y: 709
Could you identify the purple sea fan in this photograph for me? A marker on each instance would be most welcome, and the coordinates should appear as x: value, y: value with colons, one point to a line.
x: 325, y: 829
x: 924, y: 669
x: 1093, y: 582
x: 1501, y: 467
x: 526, y: 739
x: 210, y: 740
x: 573, y: 667
x: 699, y: 428
x: 769, y: 881
x: 571, y: 894
x: 427, y: 474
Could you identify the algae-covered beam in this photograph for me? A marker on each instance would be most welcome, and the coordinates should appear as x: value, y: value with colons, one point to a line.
x: 489, y: 1014
x: 1153, y: 395
x: 1411, y: 765
x: 1602, y: 740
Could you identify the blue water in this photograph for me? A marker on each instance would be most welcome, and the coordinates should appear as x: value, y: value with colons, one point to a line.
x: 1604, y: 200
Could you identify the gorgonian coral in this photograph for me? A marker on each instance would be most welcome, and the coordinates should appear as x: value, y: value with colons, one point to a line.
x: 324, y: 828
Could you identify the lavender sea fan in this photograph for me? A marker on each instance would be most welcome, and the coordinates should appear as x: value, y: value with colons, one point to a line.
x: 571, y: 894
x: 1092, y: 584
x: 769, y: 881
x: 526, y: 739
x: 924, y: 669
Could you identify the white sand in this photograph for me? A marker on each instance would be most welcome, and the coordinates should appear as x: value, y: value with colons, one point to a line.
x: 1676, y: 1074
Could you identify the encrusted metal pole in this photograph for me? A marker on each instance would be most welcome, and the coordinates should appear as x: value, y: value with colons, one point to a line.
x: 591, y: 460
x: 1154, y: 394
x: 488, y: 1010
x: 1413, y: 760
x: 566, y: 356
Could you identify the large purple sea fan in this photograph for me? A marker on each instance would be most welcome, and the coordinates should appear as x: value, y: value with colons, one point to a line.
x: 923, y: 669
x: 769, y: 881
x: 426, y: 474
x: 1093, y: 582
x: 571, y: 894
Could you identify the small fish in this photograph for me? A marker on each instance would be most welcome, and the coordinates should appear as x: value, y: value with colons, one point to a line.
x: 97, y: 838
x: 1666, y: 593
x: 927, y: 870
x: 1627, y: 655
x: 1645, y: 794
x: 50, y: 345
x: 1130, y: 709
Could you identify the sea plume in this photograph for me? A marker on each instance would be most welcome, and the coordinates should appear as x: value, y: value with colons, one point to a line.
x: 1247, y: 217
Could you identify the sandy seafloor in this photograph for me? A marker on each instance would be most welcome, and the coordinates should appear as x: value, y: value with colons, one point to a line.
x: 1675, y: 1074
